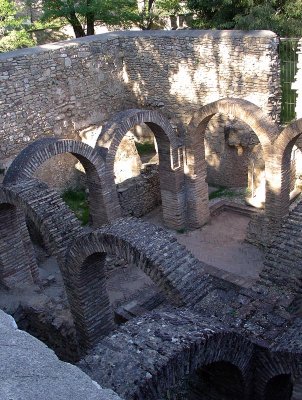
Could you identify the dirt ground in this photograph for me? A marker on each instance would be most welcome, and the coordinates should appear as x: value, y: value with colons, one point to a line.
x: 43, y: 309
x: 221, y: 244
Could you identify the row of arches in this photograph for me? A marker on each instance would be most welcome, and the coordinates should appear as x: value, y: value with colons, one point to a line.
x: 182, y: 165
x: 184, y: 194
x: 149, y: 358
x: 208, y: 349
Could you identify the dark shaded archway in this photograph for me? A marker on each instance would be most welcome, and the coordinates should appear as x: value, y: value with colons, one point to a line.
x: 279, y: 387
x: 153, y: 250
x: 149, y: 355
x: 219, y: 380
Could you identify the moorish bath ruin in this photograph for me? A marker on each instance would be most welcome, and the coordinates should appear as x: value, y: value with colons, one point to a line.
x: 211, y: 100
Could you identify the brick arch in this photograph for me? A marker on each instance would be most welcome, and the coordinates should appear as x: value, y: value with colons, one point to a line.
x: 152, y: 249
x: 36, y: 153
x: 270, y: 365
x: 223, y: 377
x: 53, y: 219
x: 170, y: 160
x: 280, y: 158
x: 297, y: 389
x: 280, y: 387
x: 148, y: 355
x: 263, y: 126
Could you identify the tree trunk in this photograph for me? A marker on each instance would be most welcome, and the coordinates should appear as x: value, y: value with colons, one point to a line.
x: 90, y: 23
x: 89, y: 18
x: 77, y: 27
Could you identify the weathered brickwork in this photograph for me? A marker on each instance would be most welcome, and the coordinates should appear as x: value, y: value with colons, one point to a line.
x: 72, y: 89
x: 146, y: 357
x: 251, y: 329
x: 52, y: 218
x: 140, y: 195
x: 182, y: 165
x: 172, y: 181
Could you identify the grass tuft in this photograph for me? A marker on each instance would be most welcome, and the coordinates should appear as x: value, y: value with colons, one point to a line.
x: 222, y: 192
x: 145, y: 148
x: 77, y: 201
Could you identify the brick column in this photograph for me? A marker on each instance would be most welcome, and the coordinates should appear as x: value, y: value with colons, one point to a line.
x: 16, y: 261
x: 197, y: 196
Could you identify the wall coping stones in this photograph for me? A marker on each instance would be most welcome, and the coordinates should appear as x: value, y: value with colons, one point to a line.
x: 30, y: 370
x: 104, y: 37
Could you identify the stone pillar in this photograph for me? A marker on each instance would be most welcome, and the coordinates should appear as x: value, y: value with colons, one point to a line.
x: 172, y: 189
x: 127, y: 162
x: 197, y: 195
x: 17, y: 262
x: 262, y: 228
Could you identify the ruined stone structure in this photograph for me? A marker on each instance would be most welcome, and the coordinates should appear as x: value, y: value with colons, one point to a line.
x: 72, y: 89
x: 209, y: 324
x: 182, y: 165
x: 251, y: 329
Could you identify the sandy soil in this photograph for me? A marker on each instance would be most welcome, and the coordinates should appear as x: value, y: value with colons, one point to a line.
x: 221, y: 244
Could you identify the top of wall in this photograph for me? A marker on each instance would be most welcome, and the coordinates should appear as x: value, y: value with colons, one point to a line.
x: 104, y: 37
x: 30, y: 370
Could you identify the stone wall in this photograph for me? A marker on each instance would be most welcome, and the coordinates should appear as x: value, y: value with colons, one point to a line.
x: 63, y: 90
x: 140, y: 195
x: 71, y: 89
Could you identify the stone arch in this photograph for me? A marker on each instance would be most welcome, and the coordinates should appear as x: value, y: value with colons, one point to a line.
x: 279, y: 367
x: 297, y: 389
x: 156, y: 252
x: 153, y: 355
x: 280, y: 387
x: 263, y: 126
x: 56, y: 223
x: 36, y: 153
x: 280, y: 158
x: 170, y: 160
x: 219, y: 378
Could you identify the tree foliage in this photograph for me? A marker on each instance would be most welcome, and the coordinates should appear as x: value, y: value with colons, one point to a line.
x: 152, y: 12
x: 281, y: 16
x: 80, y: 13
x: 13, y: 33
x: 84, y: 14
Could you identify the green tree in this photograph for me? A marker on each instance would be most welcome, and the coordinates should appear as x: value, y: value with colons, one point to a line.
x: 13, y: 33
x: 146, y: 14
x: 152, y: 12
x: 216, y: 13
x: 80, y: 13
x: 282, y: 16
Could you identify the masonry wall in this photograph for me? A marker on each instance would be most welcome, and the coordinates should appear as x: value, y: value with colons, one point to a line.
x: 140, y: 195
x: 71, y: 89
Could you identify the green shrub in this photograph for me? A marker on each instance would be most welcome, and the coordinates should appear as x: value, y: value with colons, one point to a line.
x: 77, y: 201
x: 16, y: 39
x: 145, y: 148
x: 222, y: 192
